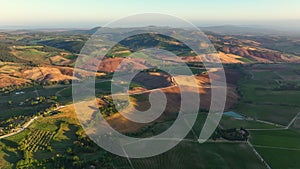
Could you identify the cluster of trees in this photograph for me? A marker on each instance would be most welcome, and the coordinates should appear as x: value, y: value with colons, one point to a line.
x: 12, y: 88
x: 66, y: 161
x: 28, y: 163
x: 231, y: 134
x: 12, y: 123
x: 36, y: 101
x: 109, y: 108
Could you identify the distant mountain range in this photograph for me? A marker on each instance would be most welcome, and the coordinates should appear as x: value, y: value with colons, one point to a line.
x: 221, y: 29
x: 243, y: 30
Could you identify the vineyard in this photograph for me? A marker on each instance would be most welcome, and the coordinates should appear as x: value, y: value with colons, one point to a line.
x: 37, y: 140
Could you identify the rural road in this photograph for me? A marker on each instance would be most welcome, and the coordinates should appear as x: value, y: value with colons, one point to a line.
x: 19, y: 129
x: 26, y: 125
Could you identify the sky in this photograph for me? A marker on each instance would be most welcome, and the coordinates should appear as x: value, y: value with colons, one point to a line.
x: 90, y: 13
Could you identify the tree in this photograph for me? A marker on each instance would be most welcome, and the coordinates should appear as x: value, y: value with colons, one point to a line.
x: 75, y: 158
x: 69, y: 151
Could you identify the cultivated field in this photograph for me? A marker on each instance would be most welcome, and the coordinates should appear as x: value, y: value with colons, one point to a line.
x: 188, y: 155
x: 267, y: 95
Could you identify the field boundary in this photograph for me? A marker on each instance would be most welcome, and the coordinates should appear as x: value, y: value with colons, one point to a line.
x: 259, y: 156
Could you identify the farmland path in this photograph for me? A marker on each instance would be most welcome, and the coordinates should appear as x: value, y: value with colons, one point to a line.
x: 258, y: 155
x: 292, y: 121
x: 281, y: 148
